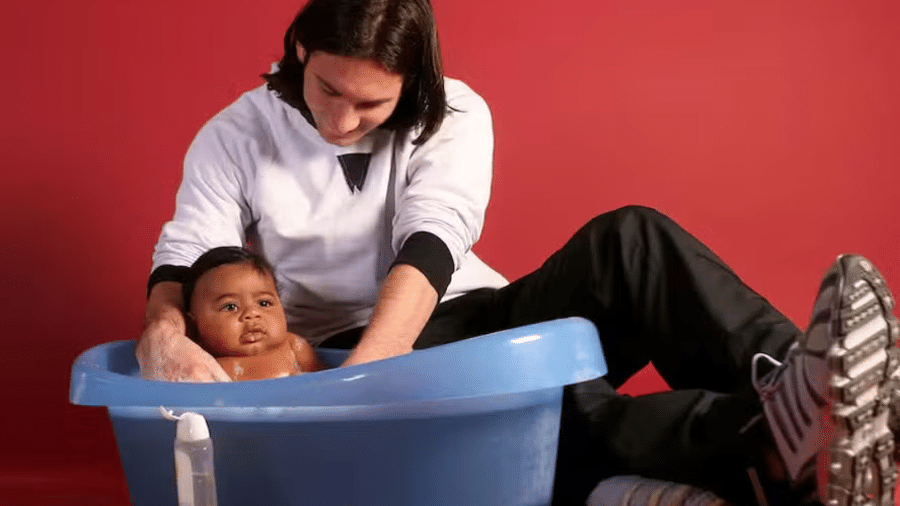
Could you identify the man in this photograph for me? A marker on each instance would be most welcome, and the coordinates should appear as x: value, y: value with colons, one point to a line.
x: 362, y: 175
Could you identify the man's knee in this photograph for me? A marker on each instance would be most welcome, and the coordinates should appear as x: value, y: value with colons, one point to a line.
x: 628, y: 217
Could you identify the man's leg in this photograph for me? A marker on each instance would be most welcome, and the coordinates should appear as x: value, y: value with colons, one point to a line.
x: 656, y: 294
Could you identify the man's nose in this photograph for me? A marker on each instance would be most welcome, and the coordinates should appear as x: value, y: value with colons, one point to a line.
x: 344, y: 119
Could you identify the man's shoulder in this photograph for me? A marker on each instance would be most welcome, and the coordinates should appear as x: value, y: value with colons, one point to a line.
x: 248, y: 121
x: 463, y: 99
x: 249, y: 112
x: 459, y: 91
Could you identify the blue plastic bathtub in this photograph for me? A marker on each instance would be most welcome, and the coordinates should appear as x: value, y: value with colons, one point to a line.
x: 470, y: 423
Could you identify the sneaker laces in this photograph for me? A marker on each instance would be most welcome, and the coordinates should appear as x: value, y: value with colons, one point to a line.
x: 759, y: 381
x: 762, y: 384
x: 754, y: 369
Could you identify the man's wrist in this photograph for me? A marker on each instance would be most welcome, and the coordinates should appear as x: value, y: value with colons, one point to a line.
x: 374, y: 345
x: 171, y: 319
x: 164, y: 306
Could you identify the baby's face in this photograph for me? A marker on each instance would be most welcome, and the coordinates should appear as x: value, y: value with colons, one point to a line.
x: 238, y: 312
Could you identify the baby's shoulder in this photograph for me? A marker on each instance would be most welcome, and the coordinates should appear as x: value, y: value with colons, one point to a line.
x: 304, y: 353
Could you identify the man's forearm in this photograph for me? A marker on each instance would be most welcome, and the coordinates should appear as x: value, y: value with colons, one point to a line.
x: 165, y: 305
x: 405, y: 304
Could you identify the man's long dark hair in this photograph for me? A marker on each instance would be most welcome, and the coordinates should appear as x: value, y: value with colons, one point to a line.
x: 399, y: 34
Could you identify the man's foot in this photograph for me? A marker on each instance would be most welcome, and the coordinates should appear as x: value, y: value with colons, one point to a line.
x: 827, y: 404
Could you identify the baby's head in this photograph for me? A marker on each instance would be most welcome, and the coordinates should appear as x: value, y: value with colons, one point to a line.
x: 232, y: 303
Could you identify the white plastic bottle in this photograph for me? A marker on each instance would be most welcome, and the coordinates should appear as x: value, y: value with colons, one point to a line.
x: 194, y: 474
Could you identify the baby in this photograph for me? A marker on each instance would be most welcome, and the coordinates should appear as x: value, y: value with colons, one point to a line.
x: 235, y: 314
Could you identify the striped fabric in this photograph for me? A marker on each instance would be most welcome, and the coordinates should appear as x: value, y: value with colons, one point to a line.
x: 639, y: 491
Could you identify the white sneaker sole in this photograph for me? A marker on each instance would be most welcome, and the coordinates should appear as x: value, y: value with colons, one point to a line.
x: 859, y: 464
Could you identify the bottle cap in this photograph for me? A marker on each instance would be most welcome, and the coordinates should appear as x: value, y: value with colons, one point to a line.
x: 192, y: 427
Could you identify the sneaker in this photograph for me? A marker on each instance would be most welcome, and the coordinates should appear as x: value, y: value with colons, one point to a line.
x: 894, y: 411
x: 630, y: 490
x: 827, y: 405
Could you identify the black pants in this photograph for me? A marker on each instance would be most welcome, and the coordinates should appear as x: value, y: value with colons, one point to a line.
x: 657, y: 295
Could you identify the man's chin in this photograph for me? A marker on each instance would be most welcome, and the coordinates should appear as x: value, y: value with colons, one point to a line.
x: 342, y: 141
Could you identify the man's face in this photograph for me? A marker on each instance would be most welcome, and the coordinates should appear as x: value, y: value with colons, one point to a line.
x: 237, y: 311
x: 347, y: 97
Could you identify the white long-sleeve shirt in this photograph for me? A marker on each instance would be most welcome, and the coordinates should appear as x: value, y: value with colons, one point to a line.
x: 260, y: 172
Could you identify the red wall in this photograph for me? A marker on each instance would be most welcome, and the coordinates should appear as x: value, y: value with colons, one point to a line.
x: 767, y: 129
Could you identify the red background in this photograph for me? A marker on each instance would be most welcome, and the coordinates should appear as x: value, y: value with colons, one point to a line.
x: 767, y: 128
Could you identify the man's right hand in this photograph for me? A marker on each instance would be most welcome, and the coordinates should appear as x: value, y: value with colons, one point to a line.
x: 164, y: 353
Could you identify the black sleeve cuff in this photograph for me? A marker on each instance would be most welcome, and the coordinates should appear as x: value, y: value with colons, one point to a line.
x: 175, y: 273
x: 428, y: 253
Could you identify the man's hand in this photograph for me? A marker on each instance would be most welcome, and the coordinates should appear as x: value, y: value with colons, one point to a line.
x: 364, y: 355
x: 164, y: 353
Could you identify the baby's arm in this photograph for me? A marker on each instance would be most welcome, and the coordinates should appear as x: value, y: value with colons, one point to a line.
x: 305, y: 354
